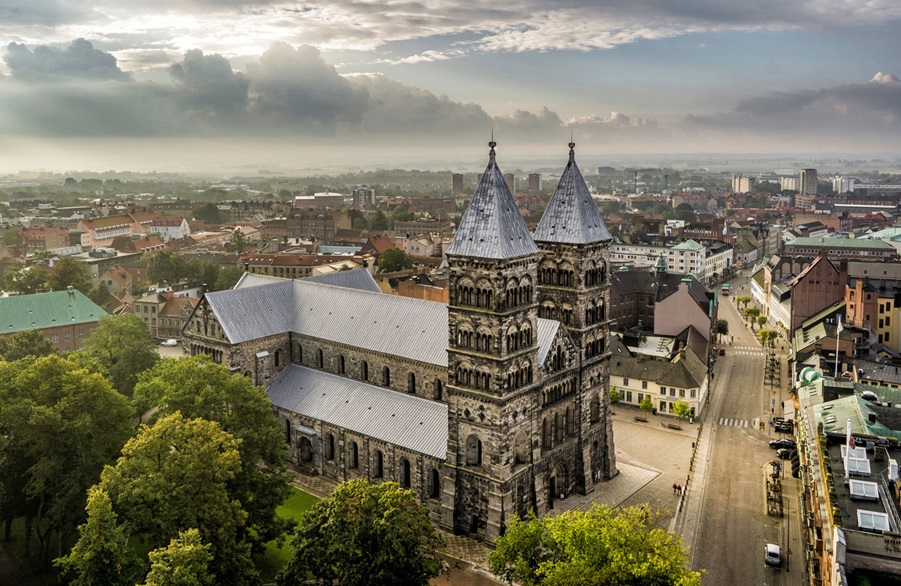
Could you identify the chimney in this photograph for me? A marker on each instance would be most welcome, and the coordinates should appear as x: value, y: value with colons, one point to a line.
x: 871, y: 417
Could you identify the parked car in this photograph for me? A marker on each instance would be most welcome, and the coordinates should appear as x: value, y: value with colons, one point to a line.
x: 782, y: 443
x: 169, y: 342
x: 784, y: 453
x: 772, y: 555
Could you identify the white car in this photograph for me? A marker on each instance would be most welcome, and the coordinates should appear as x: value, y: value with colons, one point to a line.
x: 169, y: 342
x: 773, y: 555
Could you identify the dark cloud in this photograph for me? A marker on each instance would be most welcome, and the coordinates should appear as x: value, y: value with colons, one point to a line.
x: 79, y: 60
x: 208, y: 85
x: 523, y: 123
x: 41, y: 12
x: 297, y: 87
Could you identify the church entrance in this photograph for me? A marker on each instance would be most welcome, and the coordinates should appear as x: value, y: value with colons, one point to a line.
x: 306, y: 450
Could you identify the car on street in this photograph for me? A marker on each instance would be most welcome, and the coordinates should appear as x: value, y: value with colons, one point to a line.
x: 169, y: 342
x: 782, y: 443
x: 772, y: 555
x: 784, y: 453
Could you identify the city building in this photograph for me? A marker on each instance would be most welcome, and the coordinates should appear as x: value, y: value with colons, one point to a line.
x: 363, y: 196
x: 789, y: 183
x: 457, y: 181
x: 807, y: 182
x: 842, y: 184
x: 510, y: 180
x: 742, y: 184
x: 482, y: 407
x: 165, y: 312
x: 169, y: 227
x: 66, y: 318
x: 534, y: 182
x: 840, y: 249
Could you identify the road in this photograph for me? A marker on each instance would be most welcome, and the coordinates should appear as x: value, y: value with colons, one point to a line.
x: 733, y: 526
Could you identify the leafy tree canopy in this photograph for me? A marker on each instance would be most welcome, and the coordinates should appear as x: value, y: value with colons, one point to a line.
x: 646, y: 405
x: 197, y: 387
x: 25, y: 343
x: 681, y: 409
x: 68, y: 272
x: 227, y: 278
x: 209, y: 213
x: 184, y: 562
x: 393, y: 260
x: 123, y: 346
x: 365, y: 535
x: 168, y: 266
x: 600, y: 546
x: 18, y: 278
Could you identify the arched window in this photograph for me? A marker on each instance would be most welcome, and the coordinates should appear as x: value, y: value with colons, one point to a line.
x: 594, y: 409
x: 545, y: 434
x: 411, y: 382
x: 277, y: 359
x: 248, y: 374
x: 567, y: 423
x: 353, y: 455
x: 364, y: 370
x: 386, y: 377
x: 299, y: 354
x: 404, y: 479
x: 520, y: 448
x: 439, y: 389
x: 320, y: 359
x: 287, y: 431
x: 329, y: 447
x: 342, y: 364
x: 434, y: 484
x: 473, y: 451
x: 378, y: 464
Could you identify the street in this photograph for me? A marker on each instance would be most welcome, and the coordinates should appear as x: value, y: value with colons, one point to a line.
x: 733, y: 525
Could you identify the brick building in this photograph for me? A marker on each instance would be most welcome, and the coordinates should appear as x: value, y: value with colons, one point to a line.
x: 66, y: 318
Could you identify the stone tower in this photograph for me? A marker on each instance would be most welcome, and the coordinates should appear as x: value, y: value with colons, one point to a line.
x: 574, y: 288
x: 492, y: 358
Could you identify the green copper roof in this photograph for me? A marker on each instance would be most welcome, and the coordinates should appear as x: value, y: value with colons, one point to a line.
x: 688, y: 245
x: 46, y: 310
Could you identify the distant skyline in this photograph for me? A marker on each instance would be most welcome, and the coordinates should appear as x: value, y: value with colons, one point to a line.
x: 186, y: 85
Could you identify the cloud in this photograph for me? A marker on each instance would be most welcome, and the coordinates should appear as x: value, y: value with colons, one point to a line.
x: 886, y: 78
x: 296, y: 86
x: 79, y: 60
x: 41, y: 12
x: 208, y: 86
x: 522, y: 123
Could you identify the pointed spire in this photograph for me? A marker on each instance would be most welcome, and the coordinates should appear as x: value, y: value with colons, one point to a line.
x: 571, y: 217
x: 492, y: 226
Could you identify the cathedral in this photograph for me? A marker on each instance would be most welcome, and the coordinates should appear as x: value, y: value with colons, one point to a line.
x: 493, y: 405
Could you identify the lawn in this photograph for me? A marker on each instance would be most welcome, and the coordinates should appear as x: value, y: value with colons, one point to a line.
x: 275, y: 558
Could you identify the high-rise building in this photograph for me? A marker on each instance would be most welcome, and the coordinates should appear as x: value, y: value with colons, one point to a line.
x: 742, y: 184
x: 534, y: 182
x: 364, y: 196
x: 788, y: 183
x: 458, y: 183
x: 842, y: 184
x: 808, y: 182
x: 510, y: 180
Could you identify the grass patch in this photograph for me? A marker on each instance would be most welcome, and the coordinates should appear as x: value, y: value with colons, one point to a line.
x: 275, y: 558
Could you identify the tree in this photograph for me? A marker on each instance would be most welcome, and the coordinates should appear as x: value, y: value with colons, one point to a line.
x: 379, y: 222
x: 722, y: 327
x: 372, y: 535
x: 61, y: 424
x: 204, y: 271
x: 101, y: 556
x: 184, y: 562
x: 14, y: 240
x: 197, y: 387
x: 18, y: 278
x: 615, y: 396
x: 761, y: 320
x: 166, y: 266
x: 685, y: 212
x: 122, y: 344
x: 228, y: 278
x: 209, y: 213
x: 646, y: 405
x: 100, y: 294
x: 681, y: 409
x: 174, y: 476
x: 238, y: 242
x: 25, y: 343
x: 752, y: 313
x: 393, y: 260
x: 600, y: 546
x: 68, y: 272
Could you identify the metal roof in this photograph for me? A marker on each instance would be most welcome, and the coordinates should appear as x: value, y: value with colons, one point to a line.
x: 353, y: 279
x: 390, y: 324
x: 571, y: 217
x: 397, y: 418
x: 47, y: 310
x: 492, y: 226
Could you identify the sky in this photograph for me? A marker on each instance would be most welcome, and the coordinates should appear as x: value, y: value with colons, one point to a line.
x: 175, y: 85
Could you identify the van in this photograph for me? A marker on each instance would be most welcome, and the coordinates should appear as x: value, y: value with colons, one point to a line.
x: 169, y: 342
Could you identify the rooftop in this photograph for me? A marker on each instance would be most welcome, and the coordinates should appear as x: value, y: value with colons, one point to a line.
x: 868, y: 244
x: 46, y: 310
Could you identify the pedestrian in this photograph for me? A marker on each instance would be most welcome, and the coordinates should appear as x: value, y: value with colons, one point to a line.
x: 674, y: 487
x: 679, y: 489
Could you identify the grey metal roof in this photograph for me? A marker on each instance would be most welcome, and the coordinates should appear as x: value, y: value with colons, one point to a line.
x: 253, y: 311
x: 249, y: 279
x: 492, y: 226
x: 547, y: 331
x: 571, y: 217
x: 353, y: 279
x: 398, y: 418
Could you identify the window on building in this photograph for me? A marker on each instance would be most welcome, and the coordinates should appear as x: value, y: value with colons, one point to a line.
x: 68, y: 336
x: 662, y: 390
x: 682, y: 393
x: 342, y: 365
x: 81, y: 334
x: 330, y: 447
x: 386, y: 377
x: 404, y: 471
x: 595, y: 409
x: 672, y: 391
x: 55, y: 338
x: 378, y: 464
x: 434, y: 484
x: 663, y: 406
x: 625, y: 382
x: 353, y: 455
x: 693, y: 393
x: 629, y: 397
x: 278, y: 358
x: 411, y: 382
x: 320, y: 358
x: 888, y: 322
x: 364, y: 370
x: 644, y: 385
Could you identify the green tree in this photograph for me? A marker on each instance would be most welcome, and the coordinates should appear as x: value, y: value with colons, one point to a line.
x: 681, y: 409
x: 646, y: 405
x: 25, y: 343
x: 209, y: 213
x: 122, y: 344
x: 68, y: 272
x: 378, y: 222
x: 722, y: 327
x: 204, y: 272
x: 365, y: 535
x: 61, y: 424
x: 393, y: 260
x: 600, y: 546
x: 18, y: 278
x: 101, y: 556
x: 228, y: 278
x: 238, y: 242
x: 184, y: 562
x: 197, y: 387
x: 166, y: 266
x: 615, y: 396
x: 14, y: 240
x: 752, y: 313
x: 174, y: 476
x: 685, y: 212
x: 761, y: 321
x: 100, y: 294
